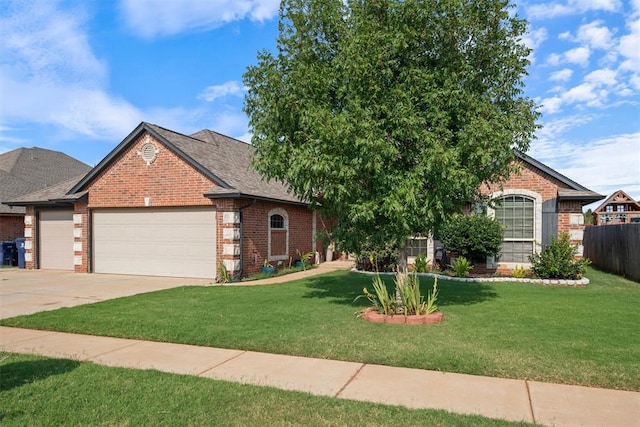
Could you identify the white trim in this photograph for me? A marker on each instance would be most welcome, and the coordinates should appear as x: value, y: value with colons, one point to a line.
x: 537, y: 221
x: 285, y: 216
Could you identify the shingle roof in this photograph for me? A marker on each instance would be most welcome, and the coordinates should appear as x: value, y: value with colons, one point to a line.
x: 226, y: 161
x: 26, y: 170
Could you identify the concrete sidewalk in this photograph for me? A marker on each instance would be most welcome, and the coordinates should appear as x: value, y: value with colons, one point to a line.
x: 514, y: 400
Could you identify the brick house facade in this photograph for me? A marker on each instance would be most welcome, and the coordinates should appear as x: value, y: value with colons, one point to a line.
x: 163, y: 203
x: 155, y: 172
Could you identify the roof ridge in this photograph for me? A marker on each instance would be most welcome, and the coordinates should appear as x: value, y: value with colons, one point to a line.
x: 220, y: 134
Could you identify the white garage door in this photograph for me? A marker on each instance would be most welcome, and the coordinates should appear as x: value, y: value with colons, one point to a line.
x: 56, y: 240
x: 155, y: 242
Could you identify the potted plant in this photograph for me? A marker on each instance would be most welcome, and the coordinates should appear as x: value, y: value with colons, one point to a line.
x: 267, y: 267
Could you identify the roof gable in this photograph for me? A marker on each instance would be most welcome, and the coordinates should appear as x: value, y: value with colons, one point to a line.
x: 619, y: 197
x: 574, y: 191
x: 224, y: 160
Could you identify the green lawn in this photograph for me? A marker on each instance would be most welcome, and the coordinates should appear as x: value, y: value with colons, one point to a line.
x: 37, y: 391
x: 586, y: 336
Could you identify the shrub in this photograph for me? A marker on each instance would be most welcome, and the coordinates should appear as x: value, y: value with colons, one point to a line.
x: 519, y: 272
x: 421, y: 263
x: 383, y: 260
x: 461, y: 266
x: 557, y: 261
x: 474, y: 237
x: 223, y: 273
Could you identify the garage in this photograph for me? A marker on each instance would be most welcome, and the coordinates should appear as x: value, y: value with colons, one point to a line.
x: 56, y: 239
x: 172, y: 242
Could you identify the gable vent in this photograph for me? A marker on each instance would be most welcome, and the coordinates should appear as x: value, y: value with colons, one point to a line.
x: 148, y: 152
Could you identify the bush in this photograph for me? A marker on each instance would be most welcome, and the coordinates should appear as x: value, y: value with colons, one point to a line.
x: 461, y: 266
x: 421, y: 263
x: 557, y: 261
x: 383, y: 260
x: 474, y: 237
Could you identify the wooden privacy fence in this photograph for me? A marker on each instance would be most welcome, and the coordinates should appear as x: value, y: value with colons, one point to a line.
x: 614, y: 248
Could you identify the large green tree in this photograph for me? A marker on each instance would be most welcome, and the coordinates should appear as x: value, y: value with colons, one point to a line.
x: 389, y: 114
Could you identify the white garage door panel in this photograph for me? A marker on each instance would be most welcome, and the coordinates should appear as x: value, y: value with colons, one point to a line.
x: 155, y: 242
x: 56, y: 240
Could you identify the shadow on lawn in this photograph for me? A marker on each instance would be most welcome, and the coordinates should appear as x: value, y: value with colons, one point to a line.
x: 19, y: 373
x: 344, y: 288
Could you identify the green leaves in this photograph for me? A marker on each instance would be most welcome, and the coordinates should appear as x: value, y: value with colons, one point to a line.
x: 389, y: 115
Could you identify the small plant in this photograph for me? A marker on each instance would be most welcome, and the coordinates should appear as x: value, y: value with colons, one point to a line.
x: 413, y: 301
x: 223, y: 273
x: 421, y: 263
x: 461, y: 266
x: 557, y: 261
x: 519, y: 272
x: 305, y: 258
x: 267, y: 264
x: 381, y: 300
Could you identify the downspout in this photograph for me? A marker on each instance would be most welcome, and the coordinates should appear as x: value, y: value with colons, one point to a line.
x: 241, y: 270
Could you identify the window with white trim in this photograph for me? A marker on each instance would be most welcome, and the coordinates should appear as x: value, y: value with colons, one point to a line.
x: 517, y: 214
x: 278, y: 239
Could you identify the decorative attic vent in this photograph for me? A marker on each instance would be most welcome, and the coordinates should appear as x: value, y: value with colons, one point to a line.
x: 148, y: 152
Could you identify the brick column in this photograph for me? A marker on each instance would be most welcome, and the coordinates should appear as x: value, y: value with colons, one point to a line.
x: 231, y: 241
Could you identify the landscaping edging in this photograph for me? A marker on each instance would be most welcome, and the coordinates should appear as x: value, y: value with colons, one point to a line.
x: 371, y: 315
x: 549, y: 282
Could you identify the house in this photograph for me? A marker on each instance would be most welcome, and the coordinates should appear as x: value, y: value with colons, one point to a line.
x: 166, y: 204
x: 618, y: 208
x: 25, y: 170
x: 535, y: 205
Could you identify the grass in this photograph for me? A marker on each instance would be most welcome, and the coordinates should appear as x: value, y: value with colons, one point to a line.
x: 42, y: 391
x: 587, y: 336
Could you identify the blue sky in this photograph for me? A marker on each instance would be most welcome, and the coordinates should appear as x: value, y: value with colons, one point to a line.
x: 78, y: 76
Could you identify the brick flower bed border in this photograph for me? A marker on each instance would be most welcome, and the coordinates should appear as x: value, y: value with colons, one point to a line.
x: 371, y: 315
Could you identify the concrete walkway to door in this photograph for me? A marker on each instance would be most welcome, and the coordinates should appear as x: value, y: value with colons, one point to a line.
x: 31, y: 291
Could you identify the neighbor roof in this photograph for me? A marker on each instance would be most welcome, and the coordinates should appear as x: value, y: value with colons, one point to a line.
x: 26, y: 170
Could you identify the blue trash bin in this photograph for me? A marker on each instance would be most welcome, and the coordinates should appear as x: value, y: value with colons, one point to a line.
x: 6, y: 252
x: 21, y: 251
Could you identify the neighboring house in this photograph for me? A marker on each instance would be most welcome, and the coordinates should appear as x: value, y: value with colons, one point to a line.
x: 166, y: 204
x: 26, y: 170
x: 619, y: 208
x: 535, y: 205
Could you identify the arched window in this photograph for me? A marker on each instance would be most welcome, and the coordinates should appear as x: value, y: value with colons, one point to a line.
x: 520, y: 211
x: 278, y: 241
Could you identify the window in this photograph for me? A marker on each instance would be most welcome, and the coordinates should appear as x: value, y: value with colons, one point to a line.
x: 517, y: 214
x: 278, y: 239
x: 417, y: 245
x: 609, y: 208
x: 620, y: 208
x: 276, y: 221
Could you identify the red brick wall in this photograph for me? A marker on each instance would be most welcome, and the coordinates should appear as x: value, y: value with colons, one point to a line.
x: 168, y: 181
x: 11, y: 227
x: 533, y: 179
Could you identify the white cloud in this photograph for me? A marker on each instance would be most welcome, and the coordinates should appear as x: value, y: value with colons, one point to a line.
x: 629, y: 46
x: 579, y: 55
x: 595, y: 35
x: 533, y: 39
x: 570, y: 7
x: 603, y: 165
x: 212, y: 93
x: 50, y: 75
x: 562, y: 75
x: 551, y: 105
x: 604, y: 77
x: 151, y: 18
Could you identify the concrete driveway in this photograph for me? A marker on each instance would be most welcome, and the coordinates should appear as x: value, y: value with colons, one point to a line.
x: 30, y: 291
